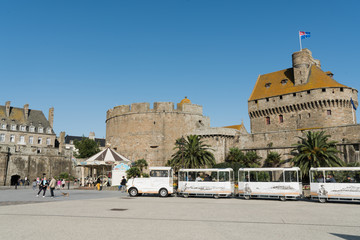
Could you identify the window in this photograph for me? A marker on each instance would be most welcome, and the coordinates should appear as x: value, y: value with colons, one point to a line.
x: 13, y: 127
x: 39, y: 140
x: 290, y: 176
x: 341, y: 89
x: 255, y: 101
x: 323, y: 90
x: 328, y: 112
x: 309, y: 115
x: 308, y: 91
x: 3, y: 126
x: 267, y: 99
x: 267, y: 120
x: 159, y: 173
x: 31, y: 139
x: 41, y: 130
x: 267, y: 85
x: 12, y: 138
x: 284, y: 81
x: 2, y: 137
x: 48, y: 130
x: 280, y: 97
x: 23, y: 128
x: 22, y: 139
x: 299, y: 116
x: 32, y: 129
x: 48, y: 141
x: 294, y: 94
x: 281, y: 119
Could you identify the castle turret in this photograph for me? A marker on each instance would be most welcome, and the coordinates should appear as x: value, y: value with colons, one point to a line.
x: 302, y: 62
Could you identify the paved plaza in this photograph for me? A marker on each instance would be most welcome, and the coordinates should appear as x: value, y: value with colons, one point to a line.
x: 88, y: 214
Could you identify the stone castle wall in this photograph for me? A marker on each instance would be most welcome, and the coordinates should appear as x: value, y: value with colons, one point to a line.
x: 138, y: 131
x: 325, y: 107
x: 27, y: 162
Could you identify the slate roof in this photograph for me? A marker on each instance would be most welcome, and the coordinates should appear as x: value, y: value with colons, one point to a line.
x: 17, y: 117
x: 317, y: 79
x: 100, y: 141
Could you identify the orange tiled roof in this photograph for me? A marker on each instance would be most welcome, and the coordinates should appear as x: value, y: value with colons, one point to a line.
x: 237, y: 127
x: 317, y: 79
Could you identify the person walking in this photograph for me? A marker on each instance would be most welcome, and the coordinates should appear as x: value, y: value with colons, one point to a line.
x: 52, y: 186
x: 63, y: 183
x: 123, y: 184
x: 59, y: 184
x: 42, y: 187
x: 34, y: 184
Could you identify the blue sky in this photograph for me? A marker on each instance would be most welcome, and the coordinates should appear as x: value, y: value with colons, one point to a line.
x: 85, y: 57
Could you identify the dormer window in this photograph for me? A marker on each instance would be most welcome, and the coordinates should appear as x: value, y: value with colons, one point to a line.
x: 13, y: 127
x: 41, y: 130
x: 267, y: 85
x: 3, y: 126
x: 284, y: 81
x: 48, y: 130
x: 23, y: 128
x: 32, y: 129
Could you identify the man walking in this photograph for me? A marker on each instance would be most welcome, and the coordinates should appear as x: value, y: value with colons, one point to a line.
x: 123, y: 184
x: 42, y: 187
x: 52, y: 186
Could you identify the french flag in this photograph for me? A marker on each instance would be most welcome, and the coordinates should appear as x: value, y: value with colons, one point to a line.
x: 304, y: 35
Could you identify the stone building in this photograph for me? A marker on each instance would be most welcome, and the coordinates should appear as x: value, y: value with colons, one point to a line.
x: 138, y: 131
x: 28, y: 145
x: 283, y: 106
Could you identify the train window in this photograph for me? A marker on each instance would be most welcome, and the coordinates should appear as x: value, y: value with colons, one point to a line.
x: 159, y: 173
x: 290, y: 176
x: 182, y: 176
x: 317, y: 177
x: 224, y: 177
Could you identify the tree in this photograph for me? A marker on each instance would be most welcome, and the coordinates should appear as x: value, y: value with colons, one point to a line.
x: 252, y: 160
x: 191, y: 153
x: 273, y: 159
x: 133, y: 172
x: 86, y: 147
x: 235, y: 155
x: 315, y: 150
x: 140, y: 164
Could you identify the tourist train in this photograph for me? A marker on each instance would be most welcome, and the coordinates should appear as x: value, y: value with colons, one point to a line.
x: 337, y: 183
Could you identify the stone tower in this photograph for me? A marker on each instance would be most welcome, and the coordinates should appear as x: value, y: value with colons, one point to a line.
x: 300, y: 97
x: 137, y: 131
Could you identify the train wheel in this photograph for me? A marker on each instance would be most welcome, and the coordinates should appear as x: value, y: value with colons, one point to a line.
x: 247, y: 197
x: 133, y: 192
x: 216, y: 196
x: 163, y: 192
x: 282, y: 198
x: 322, y: 200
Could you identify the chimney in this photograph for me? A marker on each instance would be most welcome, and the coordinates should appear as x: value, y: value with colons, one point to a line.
x: 92, y: 136
x: 61, y: 141
x: 51, y: 117
x: 26, y: 111
x: 7, y: 108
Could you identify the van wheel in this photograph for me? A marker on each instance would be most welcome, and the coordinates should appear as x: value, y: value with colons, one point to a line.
x: 282, y: 198
x: 247, y: 197
x: 322, y: 200
x: 163, y: 192
x: 133, y: 192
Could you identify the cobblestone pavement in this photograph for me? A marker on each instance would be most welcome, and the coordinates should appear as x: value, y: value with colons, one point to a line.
x: 113, y: 215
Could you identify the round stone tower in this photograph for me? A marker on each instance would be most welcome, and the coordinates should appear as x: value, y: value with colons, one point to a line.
x: 137, y: 131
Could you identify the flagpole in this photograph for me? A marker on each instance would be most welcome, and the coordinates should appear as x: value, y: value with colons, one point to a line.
x: 300, y: 41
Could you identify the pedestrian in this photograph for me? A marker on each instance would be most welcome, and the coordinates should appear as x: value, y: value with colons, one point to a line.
x: 42, y: 187
x: 52, y: 186
x: 58, y: 184
x: 63, y: 183
x: 122, y: 186
x: 98, y: 181
x: 34, y: 184
x: 17, y: 183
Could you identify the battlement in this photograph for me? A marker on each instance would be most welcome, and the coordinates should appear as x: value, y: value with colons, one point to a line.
x: 167, y: 107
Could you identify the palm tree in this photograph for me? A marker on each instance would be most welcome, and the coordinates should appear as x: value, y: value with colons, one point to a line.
x: 141, y: 163
x: 315, y: 151
x: 191, y: 153
x: 235, y: 155
x: 273, y: 159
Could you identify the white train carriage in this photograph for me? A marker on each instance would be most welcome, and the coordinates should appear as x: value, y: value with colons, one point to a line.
x: 215, y: 182
x: 160, y: 182
x: 278, y: 183
x: 335, y: 183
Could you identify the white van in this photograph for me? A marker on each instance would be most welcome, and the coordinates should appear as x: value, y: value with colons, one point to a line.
x: 160, y: 182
